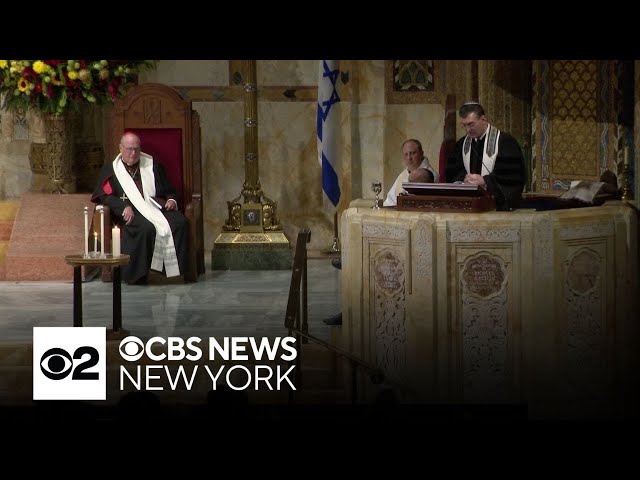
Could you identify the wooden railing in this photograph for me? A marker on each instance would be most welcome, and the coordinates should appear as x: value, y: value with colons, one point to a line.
x: 296, y: 320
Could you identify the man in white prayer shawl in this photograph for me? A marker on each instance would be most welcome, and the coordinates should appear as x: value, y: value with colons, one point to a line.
x: 145, y: 205
x: 488, y: 157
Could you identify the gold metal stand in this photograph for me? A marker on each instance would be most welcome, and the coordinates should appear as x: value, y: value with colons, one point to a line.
x: 252, y: 235
x: 335, y: 246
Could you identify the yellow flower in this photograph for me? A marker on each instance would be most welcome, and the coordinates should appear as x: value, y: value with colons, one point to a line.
x: 53, y: 86
x: 40, y: 67
x: 23, y: 85
x: 84, y: 75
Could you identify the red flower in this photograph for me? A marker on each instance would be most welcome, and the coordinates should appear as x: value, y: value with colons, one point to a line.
x: 55, y: 85
x: 28, y: 73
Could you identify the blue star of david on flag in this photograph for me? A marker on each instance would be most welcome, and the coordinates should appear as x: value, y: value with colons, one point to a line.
x: 328, y: 123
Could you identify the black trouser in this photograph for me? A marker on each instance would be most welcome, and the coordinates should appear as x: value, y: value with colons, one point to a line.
x: 138, y: 240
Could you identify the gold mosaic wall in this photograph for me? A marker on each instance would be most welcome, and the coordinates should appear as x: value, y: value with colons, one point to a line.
x: 575, y: 122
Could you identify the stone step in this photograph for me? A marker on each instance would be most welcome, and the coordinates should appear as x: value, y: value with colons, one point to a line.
x: 47, y: 227
x: 8, y: 212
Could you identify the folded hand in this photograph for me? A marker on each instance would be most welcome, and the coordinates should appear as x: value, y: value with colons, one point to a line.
x: 475, y: 179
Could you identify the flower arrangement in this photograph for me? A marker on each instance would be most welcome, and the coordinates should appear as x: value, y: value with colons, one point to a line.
x: 54, y: 86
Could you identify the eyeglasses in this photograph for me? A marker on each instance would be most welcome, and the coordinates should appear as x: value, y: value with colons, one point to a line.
x: 131, y: 149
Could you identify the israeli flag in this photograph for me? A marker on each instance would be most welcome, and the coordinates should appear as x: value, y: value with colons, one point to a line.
x: 328, y: 123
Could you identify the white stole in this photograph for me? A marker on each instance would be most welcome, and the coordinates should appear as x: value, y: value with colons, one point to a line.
x: 489, y: 152
x: 164, y: 250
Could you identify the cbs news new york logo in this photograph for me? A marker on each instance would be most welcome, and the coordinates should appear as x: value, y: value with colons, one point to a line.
x: 69, y: 363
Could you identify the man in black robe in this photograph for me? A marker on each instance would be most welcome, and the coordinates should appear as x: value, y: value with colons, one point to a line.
x: 144, y: 205
x: 487, y: 157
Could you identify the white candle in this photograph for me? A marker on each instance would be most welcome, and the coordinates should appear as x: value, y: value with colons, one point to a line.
x: 86, y: 231
x: 115, y: 241
x: 101, y: 231
x: 95, y: 242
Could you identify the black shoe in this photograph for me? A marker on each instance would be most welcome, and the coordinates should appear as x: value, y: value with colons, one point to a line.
x: 337, y: 262
x: 335, y: 320
x: 140, y: 281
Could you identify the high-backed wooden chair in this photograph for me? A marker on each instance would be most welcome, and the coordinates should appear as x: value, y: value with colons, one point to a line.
x: 169, y: 130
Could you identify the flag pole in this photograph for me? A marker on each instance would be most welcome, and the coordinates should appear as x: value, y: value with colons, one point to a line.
x: 328, y: 122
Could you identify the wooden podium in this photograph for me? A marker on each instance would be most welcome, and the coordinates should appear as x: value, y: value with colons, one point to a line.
x: 445, y: 197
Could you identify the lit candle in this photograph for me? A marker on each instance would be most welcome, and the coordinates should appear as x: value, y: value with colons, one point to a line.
x: 86, y: 231
x: 95, y: 242
x: 101, y: 231
x: 115, y: 241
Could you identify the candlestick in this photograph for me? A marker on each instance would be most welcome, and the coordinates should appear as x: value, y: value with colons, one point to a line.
x: 86, y: 231
x: 101, y: 231
x: 95, y: 242
x: 115, y: 241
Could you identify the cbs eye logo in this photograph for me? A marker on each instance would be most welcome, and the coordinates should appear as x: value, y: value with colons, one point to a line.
x: 131, y: 349
x: 57, y: 363
x: 69, y: 363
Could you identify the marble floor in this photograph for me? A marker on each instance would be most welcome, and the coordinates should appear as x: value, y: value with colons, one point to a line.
x: 221, y: 303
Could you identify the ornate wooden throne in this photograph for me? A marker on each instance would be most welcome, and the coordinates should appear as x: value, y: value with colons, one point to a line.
x: 169, y: 130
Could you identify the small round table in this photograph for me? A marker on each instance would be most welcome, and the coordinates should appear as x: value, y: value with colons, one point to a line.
x: 77, y: 262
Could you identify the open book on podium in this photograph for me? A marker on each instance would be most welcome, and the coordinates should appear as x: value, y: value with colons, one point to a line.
x: 445, y: 197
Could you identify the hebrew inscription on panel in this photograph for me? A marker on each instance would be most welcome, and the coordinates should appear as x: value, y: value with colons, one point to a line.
x: 484, y: 275
x: 583, y: 272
